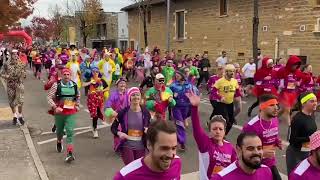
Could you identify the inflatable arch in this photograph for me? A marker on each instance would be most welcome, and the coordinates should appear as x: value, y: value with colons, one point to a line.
x: 22, y: 34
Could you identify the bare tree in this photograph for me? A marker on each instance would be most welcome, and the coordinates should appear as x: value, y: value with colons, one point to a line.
x: 56, y: 17
x: 87, y: 13
x: 144, y: 6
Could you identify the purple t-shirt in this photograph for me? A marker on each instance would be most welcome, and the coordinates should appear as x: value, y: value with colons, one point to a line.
x: 268, y: 132
x: 305, y: 171
x: 238, y: 77
x: 139, y: 170
x: 135, y: 123
x: 233, y: 171
x: 213, y: 158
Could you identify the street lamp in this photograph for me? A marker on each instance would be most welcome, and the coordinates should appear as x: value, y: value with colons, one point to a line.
x: 168, y: 25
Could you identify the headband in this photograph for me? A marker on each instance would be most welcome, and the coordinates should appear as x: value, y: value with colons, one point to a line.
x: 268, y: 103
x: 307, y: 98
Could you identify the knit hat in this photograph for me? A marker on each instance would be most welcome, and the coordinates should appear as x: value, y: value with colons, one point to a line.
x: 315, y: 140
x: 230, y: 67
x: 181, y: 73
x: 132, y: 91
x: 66, y: 70
x: 120, y: 80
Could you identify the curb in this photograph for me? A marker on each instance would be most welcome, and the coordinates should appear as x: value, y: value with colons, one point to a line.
x: 35, y: 156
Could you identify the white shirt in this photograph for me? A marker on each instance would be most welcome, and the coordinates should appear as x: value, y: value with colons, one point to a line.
x: 222, y: 61
x: 249, y: 70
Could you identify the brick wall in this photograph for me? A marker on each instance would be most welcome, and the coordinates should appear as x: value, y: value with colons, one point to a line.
x: 206, y: 30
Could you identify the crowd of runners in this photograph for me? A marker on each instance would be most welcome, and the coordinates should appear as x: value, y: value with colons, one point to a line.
x: 149, y: 120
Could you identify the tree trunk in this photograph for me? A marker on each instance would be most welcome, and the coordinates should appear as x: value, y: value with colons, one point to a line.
x: 84, y: 40
x: 145, y: 32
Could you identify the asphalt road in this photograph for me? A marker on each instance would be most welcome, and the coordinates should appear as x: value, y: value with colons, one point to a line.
x: 95, y: 158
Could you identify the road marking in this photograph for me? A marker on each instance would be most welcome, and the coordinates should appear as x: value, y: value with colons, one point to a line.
x: 86, y: 110
x: 77, y: 133
x: 75, y: 129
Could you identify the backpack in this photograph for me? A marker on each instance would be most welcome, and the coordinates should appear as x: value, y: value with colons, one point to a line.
x: 59, y: 95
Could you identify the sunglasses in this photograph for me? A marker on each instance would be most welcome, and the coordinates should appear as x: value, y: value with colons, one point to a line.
x: 66, y: 74
x: 161, y: 80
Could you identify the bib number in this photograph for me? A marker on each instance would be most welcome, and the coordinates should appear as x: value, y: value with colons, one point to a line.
x: 135, y: 135
x: 69, y: 104
x: 205, y: 69
x: 291, y: 85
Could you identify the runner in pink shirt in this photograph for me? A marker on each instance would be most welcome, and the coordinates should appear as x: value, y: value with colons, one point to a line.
x: 248, y: 167
x: 215, y: 153
x: 309, y: 168
x: 161, y: 163
x: 266, y: 126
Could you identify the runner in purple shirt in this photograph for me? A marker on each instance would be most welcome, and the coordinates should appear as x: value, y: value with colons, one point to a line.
x: 266, y: 126
x: 214, y: 153
x: 309, y: 168
x: 248, y: 167
x: 161, y: 163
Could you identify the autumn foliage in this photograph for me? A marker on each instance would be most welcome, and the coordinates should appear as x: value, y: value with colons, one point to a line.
x: 13, y: 10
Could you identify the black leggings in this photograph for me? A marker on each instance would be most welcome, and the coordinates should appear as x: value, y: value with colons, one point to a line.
x: 213, y: 104
x: 227, y: 111
x: 203, y: 75
x: 254, y: 105
x: 95, y: 119
x: 293, y: 157
x: 275, y: 173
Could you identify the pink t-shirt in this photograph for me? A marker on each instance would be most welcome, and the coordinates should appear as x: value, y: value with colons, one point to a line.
x: 268, y: 132
x: 233, y: 171
x: 305, y: 171
x: 139, y: 170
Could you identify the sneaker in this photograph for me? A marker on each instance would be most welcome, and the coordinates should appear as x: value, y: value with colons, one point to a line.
x: 54, y: 128
x: 59, y: 147
x: 182, y: 147
x: 95, y: 134
x: 21, y: 121
x: 15, y: 121
x: 70, y: 157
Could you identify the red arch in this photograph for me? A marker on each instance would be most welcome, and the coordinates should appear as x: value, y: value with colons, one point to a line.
x: 23, y: 34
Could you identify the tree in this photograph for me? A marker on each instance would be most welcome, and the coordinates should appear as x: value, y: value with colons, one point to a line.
x: 42, y: 28
x: 144, y: 7
x: 11, y: 11
x: 87, y: 14
x: 57, y: 22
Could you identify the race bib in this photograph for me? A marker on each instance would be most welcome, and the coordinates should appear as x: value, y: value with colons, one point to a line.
x: 266, y: 89
x: 69, y: 104
x: 291, y: 85
x: 305, y: 147
x: 217, y: 169
x: 135, y: 135
x: 205, y: 69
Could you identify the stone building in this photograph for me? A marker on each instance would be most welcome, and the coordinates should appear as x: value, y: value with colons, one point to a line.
x: 287, y: 27
x: 110, y: 31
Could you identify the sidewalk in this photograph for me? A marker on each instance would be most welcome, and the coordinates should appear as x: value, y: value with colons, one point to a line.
x: 15, y: 157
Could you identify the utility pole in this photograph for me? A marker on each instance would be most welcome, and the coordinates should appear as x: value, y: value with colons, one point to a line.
x: 168, y: 25
x: 255, y: 31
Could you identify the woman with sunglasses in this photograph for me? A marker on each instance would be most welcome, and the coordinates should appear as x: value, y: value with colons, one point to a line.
x: 302, y: 126
x: 215, y: 153
x: 97, y: 87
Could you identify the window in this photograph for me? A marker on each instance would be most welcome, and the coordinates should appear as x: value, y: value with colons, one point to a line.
x: 132, y: 45
x: 180, y: 24
x: 104, y: 30
x: 98, y: 30
x: 318, y: 2
x: 149, y: 17
x: 223, y: 7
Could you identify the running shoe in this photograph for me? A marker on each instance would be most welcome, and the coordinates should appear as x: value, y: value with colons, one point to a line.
x: 21, y: 121
x: 15, y: 121
x: 59, y: 147
x: 70, y: 157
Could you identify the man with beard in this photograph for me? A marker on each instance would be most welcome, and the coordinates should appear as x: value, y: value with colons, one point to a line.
x: 310, y: 167
x: 224, y: 91
x: 266, y: 126
x: 249, y: 166
x: 161, y: 162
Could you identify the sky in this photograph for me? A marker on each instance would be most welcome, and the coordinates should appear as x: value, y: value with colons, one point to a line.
x: 42, y: 6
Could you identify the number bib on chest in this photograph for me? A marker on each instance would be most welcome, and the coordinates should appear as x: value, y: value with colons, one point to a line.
x: 135, y: 135
x: 291, y: 85
x: 217, y: 169
x: 68, y: 104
